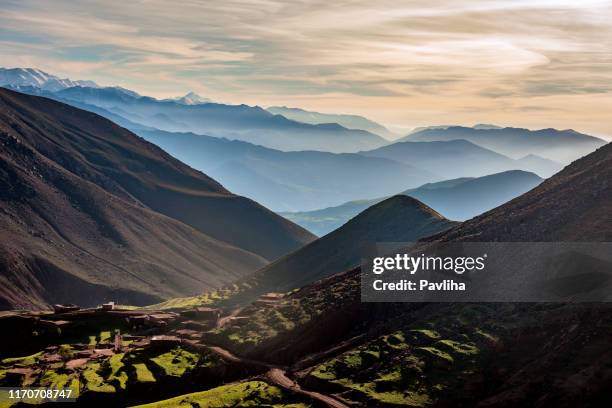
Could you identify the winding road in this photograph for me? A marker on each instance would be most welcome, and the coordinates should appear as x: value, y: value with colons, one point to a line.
x: 278, y: 376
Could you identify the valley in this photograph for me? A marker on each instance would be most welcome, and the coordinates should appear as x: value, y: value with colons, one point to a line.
x: 144, y: 265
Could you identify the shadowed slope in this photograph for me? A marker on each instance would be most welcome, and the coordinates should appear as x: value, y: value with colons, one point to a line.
x: 573, y: 205
x: 65, y: 239
x: 396, y: 219
x: 78, y: 203
x: 124, y: 164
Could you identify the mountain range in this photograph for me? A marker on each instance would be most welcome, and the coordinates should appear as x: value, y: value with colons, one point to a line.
x: 457, y: 199
x: 189, y: 114
x: 289, y: 180
x: 561, y: 146
x: 289, y: 129
x: 190, y: 98
x: 32, y: 77
x: 305, y: 181
x: 92, y: 212
x: 317, y: 118
x: 460, y: 158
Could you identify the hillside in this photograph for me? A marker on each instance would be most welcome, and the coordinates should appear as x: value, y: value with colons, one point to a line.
x: 126, y: 165
x: 470, y: 198
x: 573, y: 205
x: 457, y: 199
x: 456, y: 158
x: 425, y: 354
x: 396, y: 219
x: 558, y: 145
x: 86, y: 210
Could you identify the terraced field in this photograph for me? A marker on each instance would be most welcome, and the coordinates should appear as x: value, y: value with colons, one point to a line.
x: 244, y: 394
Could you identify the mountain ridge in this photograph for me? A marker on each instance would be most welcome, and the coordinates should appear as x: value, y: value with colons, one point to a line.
x: 346, y: 120
x: 395, y: 219
x: 458, y: 158
x: 188, y: 113
x: 558, y: 145
x: 457, y: 199
x: 35, y: 77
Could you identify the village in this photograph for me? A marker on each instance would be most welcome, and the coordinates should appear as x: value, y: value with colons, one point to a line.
x: 110, y: 348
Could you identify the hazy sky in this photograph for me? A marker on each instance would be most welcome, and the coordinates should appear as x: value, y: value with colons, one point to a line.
x: 532, y: 63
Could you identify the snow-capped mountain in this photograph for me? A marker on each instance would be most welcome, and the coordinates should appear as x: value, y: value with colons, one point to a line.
x: 191, y: 98
x: 32, y: 77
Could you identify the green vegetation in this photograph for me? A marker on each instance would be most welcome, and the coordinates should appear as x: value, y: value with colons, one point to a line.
x: 413, y: 367
x: 176, y: 361
x: 65, y: 350
x: 93, y: 381
x: 104, y: 336
x: 143, y: 374
x: 246, y: 394
x: 23, y: 361
x: 267, y: 321
x: 461, y: 348
x: 432, y: 334
x: 212, y: 298
x: 117, y: 373
x: 52, y: 379
x: 438, y: 353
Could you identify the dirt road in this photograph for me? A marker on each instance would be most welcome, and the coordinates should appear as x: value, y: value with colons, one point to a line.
x: 279, y: 377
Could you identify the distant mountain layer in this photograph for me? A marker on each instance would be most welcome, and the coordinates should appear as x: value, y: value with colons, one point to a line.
x: 559, y: 145
x: 396, y: 219
x: 90, y: 211
x: 30, y: 77
x: 457, y: 199
x: 305, y: 181
x: 189, y: 114
x: 348, y: 121
x: 460, y: 158
x: 289, y: 181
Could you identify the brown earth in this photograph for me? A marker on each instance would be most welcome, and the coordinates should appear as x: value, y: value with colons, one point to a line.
x: 90, y: 212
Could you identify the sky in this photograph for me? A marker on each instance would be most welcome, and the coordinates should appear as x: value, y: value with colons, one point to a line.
x: 524, y: 63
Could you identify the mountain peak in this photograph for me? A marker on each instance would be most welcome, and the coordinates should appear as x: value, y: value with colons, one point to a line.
x: 486, y: 126
x: 192, y: 98
x: 396, y: 219
x: 400, y: 204
x: 34, y: 77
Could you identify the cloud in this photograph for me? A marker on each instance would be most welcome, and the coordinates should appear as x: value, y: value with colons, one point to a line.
x: 404, y: 53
